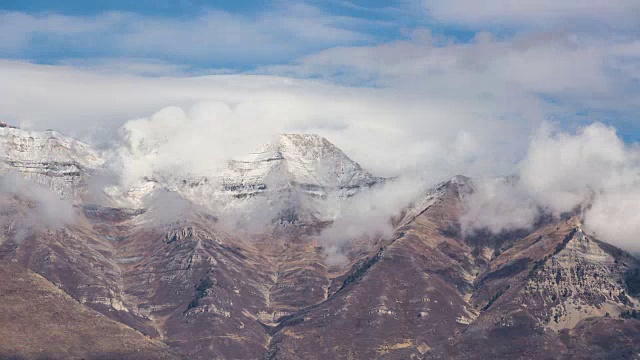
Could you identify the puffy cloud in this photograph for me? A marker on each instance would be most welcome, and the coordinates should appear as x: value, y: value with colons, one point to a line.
x: 592, y: 171
x: 386, y: 131
x: 425, y: 106
x: 165, y: 206
x: 615, y: 217
x: 367, y: 216
x: 498, y: 205
x: 562, y: 171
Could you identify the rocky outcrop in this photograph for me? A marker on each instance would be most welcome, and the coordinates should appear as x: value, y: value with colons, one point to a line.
x: 50, y: 159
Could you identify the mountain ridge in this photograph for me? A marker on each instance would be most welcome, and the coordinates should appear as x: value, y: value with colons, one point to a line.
x: 426, y: 291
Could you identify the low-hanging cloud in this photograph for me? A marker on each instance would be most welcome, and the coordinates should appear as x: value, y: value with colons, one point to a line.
x: 615, y: 217
x: 367, y: 215
x: 42, y: 208
x: 592, y: 171
x: 163, y: 206
x: 498, y: 205
x: 563, y: 170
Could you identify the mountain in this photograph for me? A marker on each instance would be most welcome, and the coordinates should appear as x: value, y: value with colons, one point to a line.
x: 306, y: 161
x: 49, y: 158
x: 191, y: 287
x: 298, y: 178
x: 38, y: 320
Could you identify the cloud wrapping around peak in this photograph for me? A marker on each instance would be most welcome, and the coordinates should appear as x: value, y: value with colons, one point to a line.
x: 615, y: 218
x: 563, y: 170
x: 497, y: 205
x: 422, y: 103
x: 367, y: 215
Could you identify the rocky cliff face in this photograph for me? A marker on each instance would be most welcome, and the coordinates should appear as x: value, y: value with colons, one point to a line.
x: 48, y: 158
x: 582, y: 279
x: 191, y: 289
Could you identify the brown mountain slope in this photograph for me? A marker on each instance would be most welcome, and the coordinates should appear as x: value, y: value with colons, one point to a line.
x: 434, y: 294
x: 426, y: 292
x: 40, y: 321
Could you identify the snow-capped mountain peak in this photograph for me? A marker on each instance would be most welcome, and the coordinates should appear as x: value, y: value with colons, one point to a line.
x: 300, y: 177
x: 47, y: 157
x: 294, y: 177
x: 308, y: 160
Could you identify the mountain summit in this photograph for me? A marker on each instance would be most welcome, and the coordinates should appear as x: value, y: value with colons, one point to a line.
x: 307, y: 161
x: 300, y: 178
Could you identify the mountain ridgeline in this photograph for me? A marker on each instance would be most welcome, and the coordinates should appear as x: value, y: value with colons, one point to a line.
x: 117, y: 283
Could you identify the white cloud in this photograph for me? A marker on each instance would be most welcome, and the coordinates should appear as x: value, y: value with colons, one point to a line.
x: 387, y: 131
x: 213, y: 36
x: 163, y: 206
x: 615, y: 217
x: 430, y: 107
x: 32, y: 207
x: 368, y: 214
x: 562, y: 170
x: 592, y: 171
x: 574, y: 67
x: 535, y: 13
x: 498, y: 205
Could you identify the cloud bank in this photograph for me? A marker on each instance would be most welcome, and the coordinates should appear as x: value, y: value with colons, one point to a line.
x: 592, y: 171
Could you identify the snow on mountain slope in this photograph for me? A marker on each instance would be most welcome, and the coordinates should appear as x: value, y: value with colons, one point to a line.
x: 431, y: 196
x: 48, y: 158
x: 305, y: 160
x: 297, y: 177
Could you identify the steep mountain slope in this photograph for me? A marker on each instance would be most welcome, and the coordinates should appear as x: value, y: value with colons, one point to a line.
x: 40, y: 321
x: 426, y: 292
x: 539, y: 299
x: 433, y: 294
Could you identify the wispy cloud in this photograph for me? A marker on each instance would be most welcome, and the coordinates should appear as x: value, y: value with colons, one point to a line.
x: 33, y: 207
x: 526, y: 14
x: 213, y: 37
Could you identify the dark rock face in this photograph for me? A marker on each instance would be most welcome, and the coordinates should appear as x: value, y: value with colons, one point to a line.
x: 192, y: 290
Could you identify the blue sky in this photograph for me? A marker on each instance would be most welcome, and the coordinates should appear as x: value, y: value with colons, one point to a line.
x: 373, y: 22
